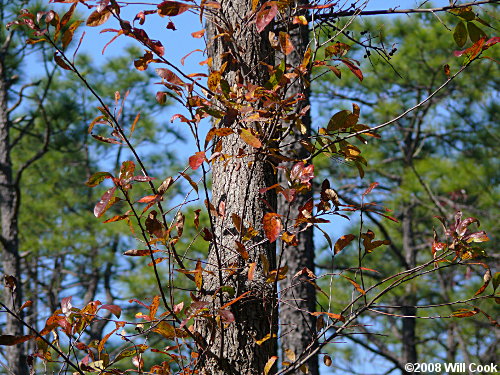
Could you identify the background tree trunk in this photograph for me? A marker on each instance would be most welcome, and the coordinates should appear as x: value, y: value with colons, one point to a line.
x: 9, y: 204
x: 297, y: 326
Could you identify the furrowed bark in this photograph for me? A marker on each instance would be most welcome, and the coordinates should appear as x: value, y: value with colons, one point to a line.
x: 232, y: 348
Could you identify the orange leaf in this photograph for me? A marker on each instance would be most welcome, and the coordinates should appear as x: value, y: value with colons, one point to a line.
x: 249, y: 138
x: 285, y: 43
x: 272, y: 226
x: 343, y: 242
x: 355, y: 284
x: 198, y: 34
x: 269, y: 364
x: 234, y: 300
x: 251, y: 271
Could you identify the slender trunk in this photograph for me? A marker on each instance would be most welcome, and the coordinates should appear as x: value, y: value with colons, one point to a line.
x: 296, y: 324
x: 232, y: 348
x: 409, y: 300
x: 9, y: 203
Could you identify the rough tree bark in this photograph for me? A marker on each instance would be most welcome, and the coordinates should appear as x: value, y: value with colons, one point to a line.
x: 296, y: 324
x: 9, y: 239
x: 232, y: 349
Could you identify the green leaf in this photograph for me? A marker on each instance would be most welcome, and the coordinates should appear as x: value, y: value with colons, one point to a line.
x: 496, y: 281
x: 97, y: 178
x: 460, y: 34
x: 475, y: 33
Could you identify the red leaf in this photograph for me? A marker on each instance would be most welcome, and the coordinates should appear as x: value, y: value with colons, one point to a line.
x: 101, y: 207
x: 266, y: 14
x: 357, y: 72
x: 272, y: 226
x: 115, y: 310
x: 172, y: 8
x: 196, y: 160
x: 60, y: 61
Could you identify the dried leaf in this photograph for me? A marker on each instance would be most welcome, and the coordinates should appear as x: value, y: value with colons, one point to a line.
x: 272, y: 226
x: 172, y: 8
x: 97, y: 18
x: 105, y: 202
x: 343, y: 242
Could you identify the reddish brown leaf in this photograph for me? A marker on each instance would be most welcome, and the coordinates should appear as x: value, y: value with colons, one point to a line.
x: 150, y: 198
x: 266, y: 14
x: 172, y: 8
x: 343, y: 242
x: 9, y: 340
x: 285, y: 43
x: 357, y: 72
x: 331, y: 315
x: 196, y: 160
x: 60, y: 61
x: 138, y: 253
x: 372, y: 186
x: 101, y: 207
x: 115, y: 310
x: 97, y: 178
x: 355, y: 284
x: 116, y: 218
x: 272, y: 226
x: 97, y: 18
x: 169, y: 76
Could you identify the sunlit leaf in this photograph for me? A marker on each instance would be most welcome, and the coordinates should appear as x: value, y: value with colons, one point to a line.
x: 101, y: 207
x: 343, y: 242
x: 269, y: 364
x: 272, y: 226
x: 197, y: 159
x: 266, y: 14
x: 97, y: 18
x: 248, y: 136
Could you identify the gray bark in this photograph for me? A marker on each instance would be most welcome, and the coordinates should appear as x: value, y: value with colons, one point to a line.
x: 9, y: 241
x: 232, y: 348
x: 297, y: 326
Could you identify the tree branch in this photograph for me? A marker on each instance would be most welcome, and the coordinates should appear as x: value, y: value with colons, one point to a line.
x: 349, y: 13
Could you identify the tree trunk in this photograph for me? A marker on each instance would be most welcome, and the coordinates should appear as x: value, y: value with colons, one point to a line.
x: 232, y: 348
x: 297, y: 326
x: 9, y: 241
x: 409, y: 300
